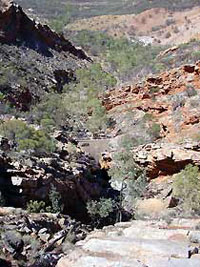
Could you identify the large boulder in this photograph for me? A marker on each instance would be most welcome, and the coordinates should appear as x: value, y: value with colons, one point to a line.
x: 166, y: 158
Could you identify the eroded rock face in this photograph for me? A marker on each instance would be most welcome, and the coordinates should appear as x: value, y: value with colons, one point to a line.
x: 166, y: 158
x: 30, y: 178
x: 171, y: 99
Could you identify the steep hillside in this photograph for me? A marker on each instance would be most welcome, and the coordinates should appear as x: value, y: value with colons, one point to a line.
x: 156, y: 26
x: 32, y: 56
x: 82, y: 8
x: 171, y: 99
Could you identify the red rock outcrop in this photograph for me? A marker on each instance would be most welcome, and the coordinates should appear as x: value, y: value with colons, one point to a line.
x: 166, y: 97
x: 166, y: 158
x: 167, y: 83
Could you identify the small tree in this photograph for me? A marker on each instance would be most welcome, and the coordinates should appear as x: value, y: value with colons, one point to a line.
x: 99, y: 210
x: 34, y: 206
x: 186, y: 187
x: 26, y: 137
x: 2, y: 200
x: 126, y: 172
x: 55, y: 199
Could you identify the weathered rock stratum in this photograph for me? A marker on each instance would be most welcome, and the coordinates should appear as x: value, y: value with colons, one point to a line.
x: 167, y: 158
x: 139, y: 244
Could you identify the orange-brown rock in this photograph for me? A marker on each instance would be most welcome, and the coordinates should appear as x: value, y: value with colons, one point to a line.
x: 166, y: 158
x: 105, y: 161
x: 169, y: 97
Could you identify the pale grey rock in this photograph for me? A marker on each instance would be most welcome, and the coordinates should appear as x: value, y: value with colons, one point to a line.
x: 17, y: 181
x: 92, y: 261
x: 127, y: 247
x: 142, y: 244
x: 172, y: 262
x: 194, y: 236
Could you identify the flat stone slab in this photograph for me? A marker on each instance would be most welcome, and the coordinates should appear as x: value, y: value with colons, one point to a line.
x: 134, y: 247
x: 137, y: 244
x: 160, y: 262
x: 153, y: 233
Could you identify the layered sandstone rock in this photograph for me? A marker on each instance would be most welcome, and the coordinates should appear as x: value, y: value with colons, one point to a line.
x: 167, y: 158
x: 167, y: 83
x: 137, y: 243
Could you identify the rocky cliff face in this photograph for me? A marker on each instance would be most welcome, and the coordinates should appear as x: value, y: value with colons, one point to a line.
x: 30, y: 178
x: 170, y: 100
x: 161, y: 116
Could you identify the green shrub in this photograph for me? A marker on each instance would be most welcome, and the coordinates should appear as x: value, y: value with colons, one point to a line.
x: 125, y: 169
x: 170, y: 21
x: 50, y: 112
x: 2, y: 200
x: 186, y: 187
x: 196, y: 55
x: 148, y: 117
x: 27, y: 137
x: 98, y: 120
x: 155, y: 130
x: 128, y: 176
x: 154, y: 90
x: 34, y: 206
x: 56, y: 200
x: 99, y: 210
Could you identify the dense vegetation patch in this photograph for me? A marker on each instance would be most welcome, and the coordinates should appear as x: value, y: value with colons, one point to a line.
x: 78, y: 107
x: 125, y: 59
x: 25, y: 137
x: 186, y: 187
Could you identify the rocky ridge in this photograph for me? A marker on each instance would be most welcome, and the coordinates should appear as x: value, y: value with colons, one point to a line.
x: 17, y: 27
x: 34, y: 60
x: 171, y: 98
